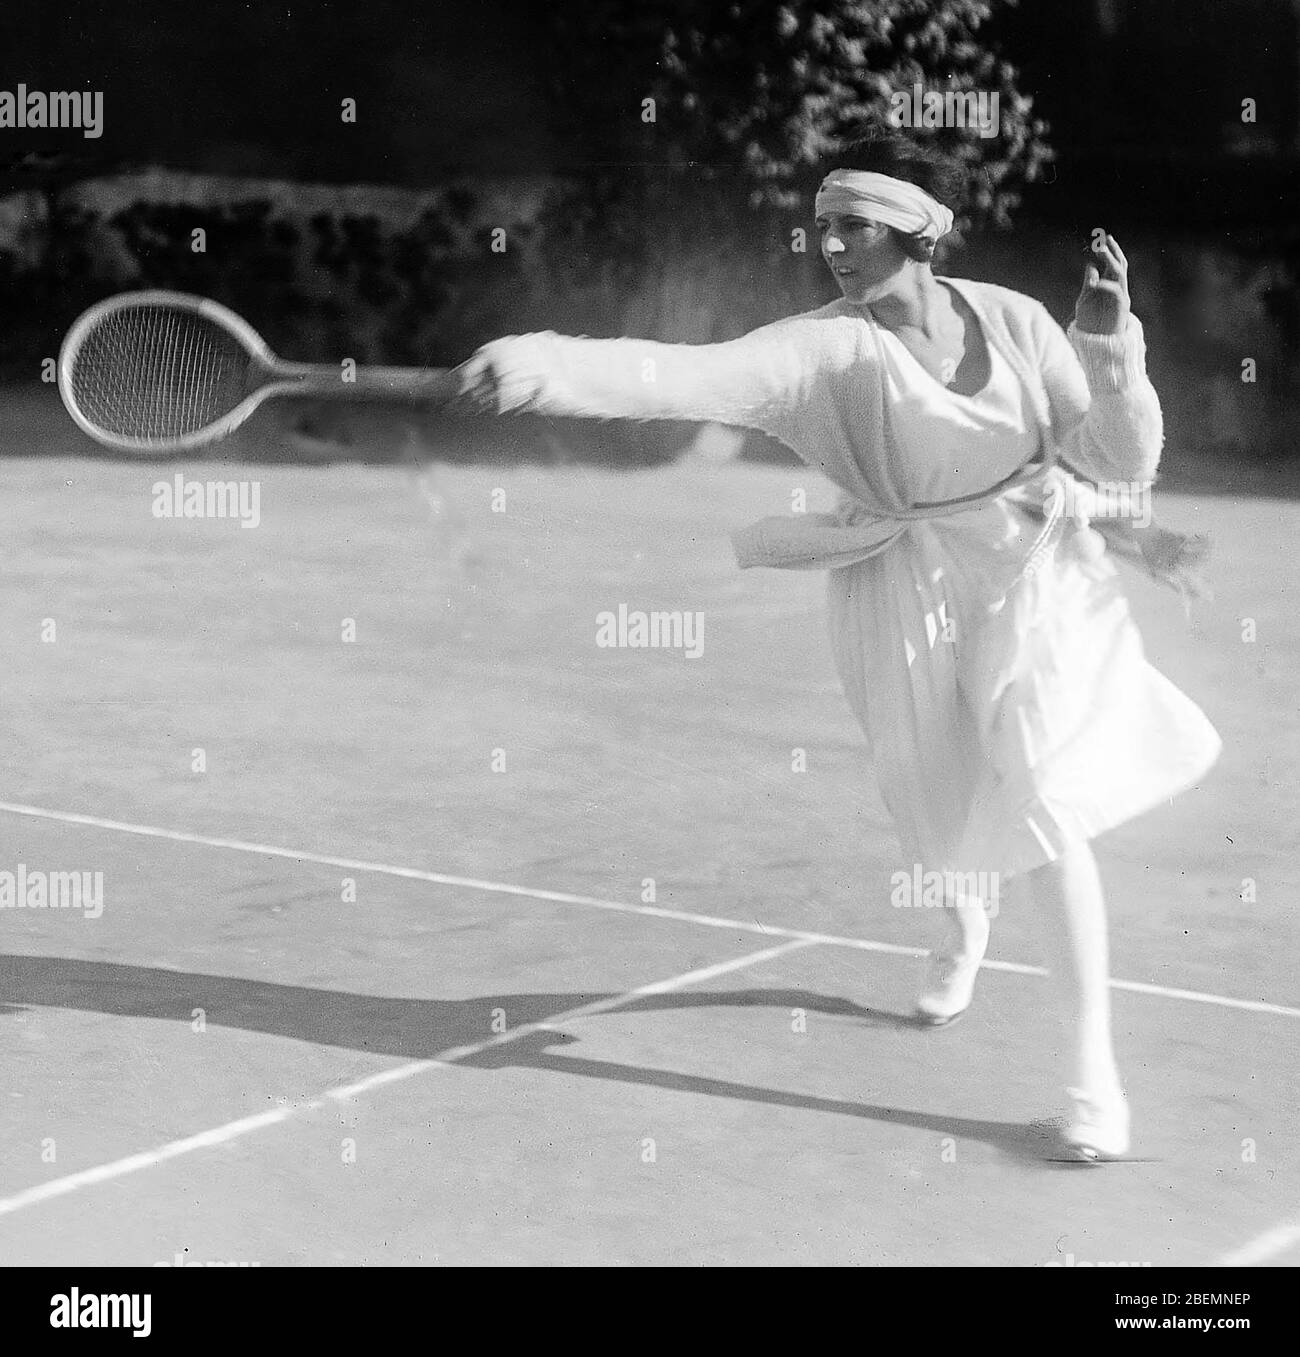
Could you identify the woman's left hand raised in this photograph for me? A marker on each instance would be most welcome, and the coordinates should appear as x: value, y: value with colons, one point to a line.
x: 1103, y: 307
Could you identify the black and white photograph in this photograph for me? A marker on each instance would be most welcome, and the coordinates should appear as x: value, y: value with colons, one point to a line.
x: 650, y: 633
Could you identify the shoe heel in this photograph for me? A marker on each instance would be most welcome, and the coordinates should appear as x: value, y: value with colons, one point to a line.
x: 1099, y: 1130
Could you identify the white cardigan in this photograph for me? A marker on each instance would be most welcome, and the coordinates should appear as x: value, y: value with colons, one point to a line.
x: 815, y: 381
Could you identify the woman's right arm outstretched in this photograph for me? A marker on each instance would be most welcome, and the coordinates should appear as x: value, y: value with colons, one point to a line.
x: 755, y: 381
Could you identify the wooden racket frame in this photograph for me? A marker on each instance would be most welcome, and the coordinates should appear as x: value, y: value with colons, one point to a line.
x: 278, y: 377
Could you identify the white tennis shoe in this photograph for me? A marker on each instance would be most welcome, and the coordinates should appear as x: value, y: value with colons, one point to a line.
x: 1099, y: 1128
x: 950, y: 980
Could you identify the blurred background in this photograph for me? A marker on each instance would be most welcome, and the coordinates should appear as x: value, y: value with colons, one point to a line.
x: 644, y: 167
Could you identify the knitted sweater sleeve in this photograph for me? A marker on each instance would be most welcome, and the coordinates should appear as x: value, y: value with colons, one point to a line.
x: 1105, y: 412
x: 756, y: 381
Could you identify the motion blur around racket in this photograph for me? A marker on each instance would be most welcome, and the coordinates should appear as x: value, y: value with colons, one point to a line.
x: 153, y: 373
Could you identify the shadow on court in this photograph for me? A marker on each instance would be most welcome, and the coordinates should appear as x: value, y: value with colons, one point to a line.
x: 1033, y: 1142
x: 420, y: 1029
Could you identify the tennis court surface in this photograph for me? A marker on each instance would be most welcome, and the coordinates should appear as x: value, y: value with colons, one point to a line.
x: 468, y: 940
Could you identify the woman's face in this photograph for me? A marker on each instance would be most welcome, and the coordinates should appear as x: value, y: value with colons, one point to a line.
x: 864, y: 255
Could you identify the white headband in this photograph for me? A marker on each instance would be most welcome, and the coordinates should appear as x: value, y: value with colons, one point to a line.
x: 880, y: 197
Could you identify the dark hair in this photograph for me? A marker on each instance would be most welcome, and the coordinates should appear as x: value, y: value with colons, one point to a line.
x: 888, y: 150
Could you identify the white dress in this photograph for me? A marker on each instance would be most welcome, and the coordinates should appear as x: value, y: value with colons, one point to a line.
x: 998, y: 728
x: 1004, y: 693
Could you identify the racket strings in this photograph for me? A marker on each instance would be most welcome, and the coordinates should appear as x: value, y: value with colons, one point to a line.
x: 157, y: 373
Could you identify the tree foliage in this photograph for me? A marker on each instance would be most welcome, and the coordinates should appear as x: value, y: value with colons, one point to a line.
x: 763, y: 91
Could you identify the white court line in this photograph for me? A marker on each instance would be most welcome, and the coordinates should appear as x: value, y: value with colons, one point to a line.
x: 618, y: 906
x: 477, y: 884
x: 1268, y: 1245
x: 235, y: 1130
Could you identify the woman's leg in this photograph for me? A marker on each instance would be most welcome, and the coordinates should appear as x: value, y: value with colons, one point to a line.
x: 1071, y: 911
x: 968, y: 925
x: 954, y: 966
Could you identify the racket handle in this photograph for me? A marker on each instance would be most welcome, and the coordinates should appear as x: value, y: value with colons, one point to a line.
x: 421, y: 386
x: 425, y: 386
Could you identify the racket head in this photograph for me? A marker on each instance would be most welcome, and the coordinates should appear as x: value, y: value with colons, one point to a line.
x: 157, y: 372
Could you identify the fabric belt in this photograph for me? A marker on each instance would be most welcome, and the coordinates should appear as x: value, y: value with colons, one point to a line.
x: 856, y: 532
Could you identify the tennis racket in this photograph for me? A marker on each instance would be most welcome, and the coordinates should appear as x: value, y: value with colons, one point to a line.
x: 152, y: 373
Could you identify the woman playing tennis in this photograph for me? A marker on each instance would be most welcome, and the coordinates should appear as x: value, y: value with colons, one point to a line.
x: 977, y: 624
